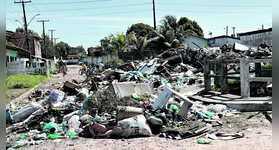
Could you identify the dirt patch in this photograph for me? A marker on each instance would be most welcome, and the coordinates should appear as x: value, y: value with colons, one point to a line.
x: 257, y: 130
x: 12, y: 94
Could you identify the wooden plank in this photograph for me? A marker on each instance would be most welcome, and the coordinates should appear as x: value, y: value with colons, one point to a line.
x: 244, y: 75
x: 223, y: 79
x: 259, y: 60
x: 260, y: 79
x: 207, y: 81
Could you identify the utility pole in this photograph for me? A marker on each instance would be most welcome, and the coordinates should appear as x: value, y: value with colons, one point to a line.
x: 233, y: 31
x: 26, y: 30
x: 227, y: 30
x: 55, y: 40
x: 51, y: 32
x: 43, y: 22
x: 154, y: 15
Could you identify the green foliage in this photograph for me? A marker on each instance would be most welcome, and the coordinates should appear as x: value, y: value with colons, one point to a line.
x: 62, y: 48
x: 143, y: 30
x: 109, y: 64
x: 268, y: 66
x: 9, y: 44
x: 54, y: 69
x: 24, y: 81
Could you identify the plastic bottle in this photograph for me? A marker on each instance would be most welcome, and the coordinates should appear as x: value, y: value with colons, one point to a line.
x: 204, y: 141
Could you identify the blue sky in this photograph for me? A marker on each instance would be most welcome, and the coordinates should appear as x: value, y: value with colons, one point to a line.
x: 85, y: 22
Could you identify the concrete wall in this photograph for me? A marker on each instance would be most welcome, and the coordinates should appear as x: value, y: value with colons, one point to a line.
x: 96, y: 60
x: 257, y: 39
x: 198, y: 40
x: 219, y: 42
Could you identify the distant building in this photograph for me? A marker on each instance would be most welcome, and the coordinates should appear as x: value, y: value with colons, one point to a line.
x: 220, y: 41
x: 257, y: 37
x: 94, y: 51
x: 195, y: 41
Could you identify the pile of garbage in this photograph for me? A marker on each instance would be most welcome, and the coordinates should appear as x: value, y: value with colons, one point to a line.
x: 137, y: 99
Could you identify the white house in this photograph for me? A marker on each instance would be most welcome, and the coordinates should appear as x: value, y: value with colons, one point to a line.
x: 193, y: 40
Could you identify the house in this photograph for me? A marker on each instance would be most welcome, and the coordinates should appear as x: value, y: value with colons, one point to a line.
x: 257, y: 37
x: 220, y: 41
x: 195, y: 41
x: 18, y: 39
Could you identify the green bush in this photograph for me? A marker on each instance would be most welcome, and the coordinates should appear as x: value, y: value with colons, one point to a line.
x: 268, y: 66
x: 24, y: 81
x: 109, y: 64
x: 54, y: 69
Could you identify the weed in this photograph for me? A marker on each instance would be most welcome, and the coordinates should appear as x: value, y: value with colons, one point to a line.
x: 19, y: 81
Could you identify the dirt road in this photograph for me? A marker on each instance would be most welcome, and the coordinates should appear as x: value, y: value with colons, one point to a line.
x: 258, y: 133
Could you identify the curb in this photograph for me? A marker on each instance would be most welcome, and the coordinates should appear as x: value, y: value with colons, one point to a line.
x: 24, y: 95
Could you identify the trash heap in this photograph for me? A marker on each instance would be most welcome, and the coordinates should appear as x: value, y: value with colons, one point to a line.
x: 137, y: 99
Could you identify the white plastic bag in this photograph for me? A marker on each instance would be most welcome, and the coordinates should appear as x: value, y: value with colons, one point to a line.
x: 135, y: 126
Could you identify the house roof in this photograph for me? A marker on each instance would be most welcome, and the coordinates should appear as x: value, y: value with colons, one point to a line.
x: 16, y: 48
x: 255, y: 32
x: 223, y: 36
x: 198, y: 36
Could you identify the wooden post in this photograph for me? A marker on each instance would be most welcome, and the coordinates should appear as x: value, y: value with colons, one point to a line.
x: 223, y: 79
x: 244, y: 75
x: 207, y: 81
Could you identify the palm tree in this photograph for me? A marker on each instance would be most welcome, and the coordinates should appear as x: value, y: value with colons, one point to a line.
x: 136, y: 44
x: 119, y: 43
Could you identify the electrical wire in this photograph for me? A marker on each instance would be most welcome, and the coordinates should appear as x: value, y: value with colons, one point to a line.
x: 88, y: 8
x: 194, y: 11
x: 198, y: 5
x: 125, y: 12
x: 72, y: 2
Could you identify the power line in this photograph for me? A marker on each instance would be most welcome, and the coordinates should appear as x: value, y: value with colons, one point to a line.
x: 139, y: 4
x: 73, y: 2
x: 198, y: 5
x: 125, y: 12
x: 38, y: 10
x: 194, y: 11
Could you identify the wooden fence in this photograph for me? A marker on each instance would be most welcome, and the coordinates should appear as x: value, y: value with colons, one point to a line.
x: 221, y: 74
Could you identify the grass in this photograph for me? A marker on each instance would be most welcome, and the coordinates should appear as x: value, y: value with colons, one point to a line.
x: 20, y: 81
x: 54, y: 69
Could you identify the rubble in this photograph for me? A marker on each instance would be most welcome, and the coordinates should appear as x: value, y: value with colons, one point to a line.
x: 133, y: 100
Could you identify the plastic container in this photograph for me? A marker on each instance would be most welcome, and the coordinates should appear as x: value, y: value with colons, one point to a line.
x: 124, y: 112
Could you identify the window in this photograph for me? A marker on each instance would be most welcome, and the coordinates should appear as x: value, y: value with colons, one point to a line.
x: 7, y: 60
x: 11, y: 58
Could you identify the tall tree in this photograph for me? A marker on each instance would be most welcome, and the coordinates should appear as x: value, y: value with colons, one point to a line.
x: 136, y: 43
x: 62, y: 49
x: 141, y: 29
x: 119, y: 43
x: 48, y: 50
x: 172, y: 32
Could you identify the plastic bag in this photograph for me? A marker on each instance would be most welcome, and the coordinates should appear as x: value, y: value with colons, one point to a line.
x: 135, y: 126
x: 53, y: 136
x: 26, y: 111
x: 50, y: 126
x: 74, y: 122
x: 56, y: 96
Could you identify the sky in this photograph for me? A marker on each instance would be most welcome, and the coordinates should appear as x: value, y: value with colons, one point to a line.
x: 86, y: 22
